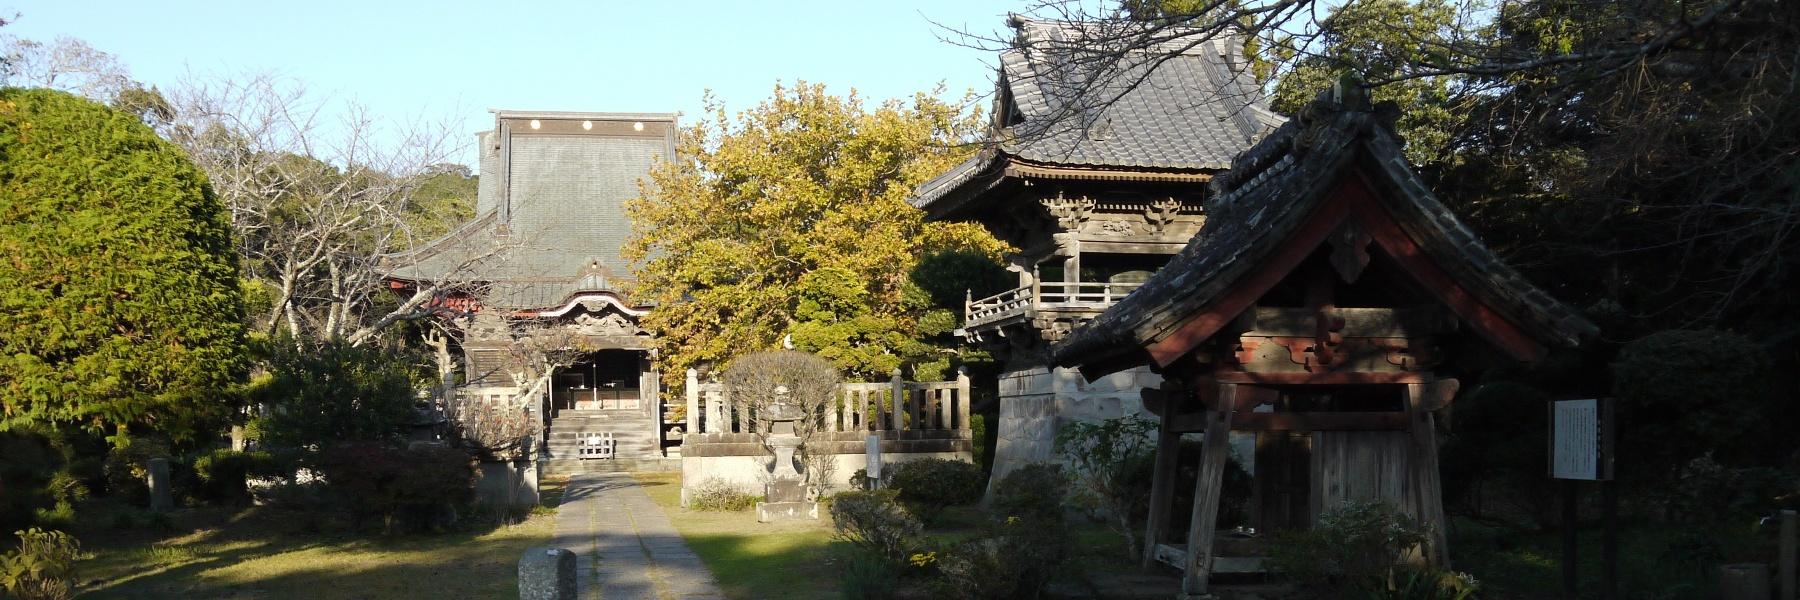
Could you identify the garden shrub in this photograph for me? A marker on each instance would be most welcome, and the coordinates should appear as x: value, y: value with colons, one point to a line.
x: 876, y: 522
x: 1017, y: 553
x: 1033, y: 492
x: 928, y: 485
x: 416, y: 489
x: 1012, y: 558
x: 715, y: 494
x: 324, y: 393
x: 1708, y: 387
x: 223, y: 473
x: 1353, y: 546
x: 43, y: 568
x: 868, y: 576
x: 1110, y: 466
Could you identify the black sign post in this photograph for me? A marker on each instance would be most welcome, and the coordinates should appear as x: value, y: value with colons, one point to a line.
x: 1581, y: 449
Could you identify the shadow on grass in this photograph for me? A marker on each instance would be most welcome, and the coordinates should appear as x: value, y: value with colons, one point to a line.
x: 265, y: 552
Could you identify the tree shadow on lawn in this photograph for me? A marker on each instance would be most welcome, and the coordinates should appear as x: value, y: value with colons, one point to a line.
x: 264, y: 552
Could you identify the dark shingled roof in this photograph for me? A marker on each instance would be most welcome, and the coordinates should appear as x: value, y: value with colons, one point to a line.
x: 1269, y: 191
x: 551, y: 219
x: 1164, y: 108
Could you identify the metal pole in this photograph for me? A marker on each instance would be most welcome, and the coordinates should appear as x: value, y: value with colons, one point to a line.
x: 1569, y: 542
x: 1787, y: 555
x: 1609, y: 545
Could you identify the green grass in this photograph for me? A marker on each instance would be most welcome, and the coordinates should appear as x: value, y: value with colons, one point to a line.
x: 276, y: 554
x: 794, y: 560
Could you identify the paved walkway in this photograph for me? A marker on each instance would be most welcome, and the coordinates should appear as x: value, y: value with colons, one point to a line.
x: 625, y: 546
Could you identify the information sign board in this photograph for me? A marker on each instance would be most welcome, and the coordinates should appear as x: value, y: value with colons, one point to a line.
x: 1581, y: 439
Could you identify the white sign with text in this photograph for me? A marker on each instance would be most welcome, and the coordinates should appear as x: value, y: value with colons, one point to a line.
x: 1575, y: 448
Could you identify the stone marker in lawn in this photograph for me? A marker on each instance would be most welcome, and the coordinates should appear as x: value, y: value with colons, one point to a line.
x: 161, y: 497
x: 547, y: 574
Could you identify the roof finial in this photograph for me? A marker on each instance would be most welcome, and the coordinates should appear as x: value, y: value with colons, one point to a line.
x: 1350, y: 93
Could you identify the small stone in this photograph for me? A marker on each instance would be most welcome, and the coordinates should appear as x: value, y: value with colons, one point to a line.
x: 547, y: 574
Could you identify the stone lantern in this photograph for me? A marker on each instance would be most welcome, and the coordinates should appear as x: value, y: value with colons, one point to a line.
x: 784, y: 496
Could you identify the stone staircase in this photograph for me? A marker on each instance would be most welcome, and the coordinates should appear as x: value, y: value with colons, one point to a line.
x: 638, y: 445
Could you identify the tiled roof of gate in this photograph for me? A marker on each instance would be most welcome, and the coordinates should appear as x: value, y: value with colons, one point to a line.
x: 558, y: 230
x: 1181, y: 104
x: 1268, y: 192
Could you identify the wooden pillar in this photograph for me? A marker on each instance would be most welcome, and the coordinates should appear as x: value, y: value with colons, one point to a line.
x: 1424, y: 465
x: 1162, y: 482
x: 963, y: 400
x: 1207, y: 490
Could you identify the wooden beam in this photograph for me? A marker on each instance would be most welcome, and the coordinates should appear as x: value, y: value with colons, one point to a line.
x: 1207, y: 490
x: 1320, y: 378
x: 1424, y: 474
x: 1162, y: 486
x: 1320, y: 421
x: 1245, y: 292
x: 1489, y: 323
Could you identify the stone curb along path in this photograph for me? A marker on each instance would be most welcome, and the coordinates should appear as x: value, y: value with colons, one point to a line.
x: 625, y: 547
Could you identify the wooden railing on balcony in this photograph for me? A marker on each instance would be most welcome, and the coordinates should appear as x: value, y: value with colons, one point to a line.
x: 1082, y: 296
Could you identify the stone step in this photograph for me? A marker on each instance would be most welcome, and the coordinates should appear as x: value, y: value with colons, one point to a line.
x: 559, y: 466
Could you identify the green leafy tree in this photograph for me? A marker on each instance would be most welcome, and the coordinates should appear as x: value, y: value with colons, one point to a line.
x: 791, y: 219
x: 323, y: 393
x: 1379, y: 40
x: 119, y: 298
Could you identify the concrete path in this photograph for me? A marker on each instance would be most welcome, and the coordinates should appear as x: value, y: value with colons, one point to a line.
x: 625, y: 545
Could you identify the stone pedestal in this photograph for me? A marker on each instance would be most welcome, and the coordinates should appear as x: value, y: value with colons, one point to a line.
x: 1036, y: 400
x: 784, y: 499
x: 162, y: 497
x: 547, y: 574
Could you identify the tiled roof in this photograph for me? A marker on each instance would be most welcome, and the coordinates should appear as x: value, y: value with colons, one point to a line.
x: 1268, y: 192
x: 553, y: 220
x: 1168, y: 107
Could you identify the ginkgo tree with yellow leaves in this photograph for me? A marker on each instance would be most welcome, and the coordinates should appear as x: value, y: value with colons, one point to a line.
x: 790, y: 219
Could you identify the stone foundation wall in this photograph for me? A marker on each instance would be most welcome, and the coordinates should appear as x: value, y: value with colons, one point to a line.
x: 1036, y: 400
x: 739, y: 459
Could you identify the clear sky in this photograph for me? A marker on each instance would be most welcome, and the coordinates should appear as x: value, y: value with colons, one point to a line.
x: 435, y: 59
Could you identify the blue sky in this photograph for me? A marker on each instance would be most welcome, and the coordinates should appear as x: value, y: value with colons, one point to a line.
x: 408, y: 59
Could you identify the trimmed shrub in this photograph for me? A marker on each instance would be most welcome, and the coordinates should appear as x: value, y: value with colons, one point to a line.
x: 1013, y: 558
x: 416, y: 489
x: 927, y: 485
x: 43, y: 568
x: 717, y: 494
x: 223, y: 473
x: 1034, y: 493
x: 1354, y: 546
x: 1707, y: 386
x: 875, y: 522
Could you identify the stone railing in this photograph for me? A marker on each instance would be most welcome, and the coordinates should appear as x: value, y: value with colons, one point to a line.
x: 894, y: 405
x: 1073, y: 296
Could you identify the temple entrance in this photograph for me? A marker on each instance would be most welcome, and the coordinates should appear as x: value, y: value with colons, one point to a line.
x: 604, y: 380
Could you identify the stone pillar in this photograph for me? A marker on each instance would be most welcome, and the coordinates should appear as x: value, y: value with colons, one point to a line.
x: 547, y: 574
x: 161, y: 497
x: 963, y: 399
x: 693, y: 404
x: 899, y: 390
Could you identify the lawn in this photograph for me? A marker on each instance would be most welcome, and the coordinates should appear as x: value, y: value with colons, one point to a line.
x: 268, y: 553
x: 794, y: 561
x: 800, y: 560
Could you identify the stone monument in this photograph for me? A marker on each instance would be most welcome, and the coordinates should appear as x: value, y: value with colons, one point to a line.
x: 784, y: 496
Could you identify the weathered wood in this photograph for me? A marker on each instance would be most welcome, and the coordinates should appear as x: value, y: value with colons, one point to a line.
x: 1407, y: 322
x: 1283, y: 481
x: 1162, y: 487
x: 1207, y: 491
x: 1319, y: 378
x: 1361, y: 466
x: 1424, y: 466
x: 1787, y: 556
x: 1320, y: 421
